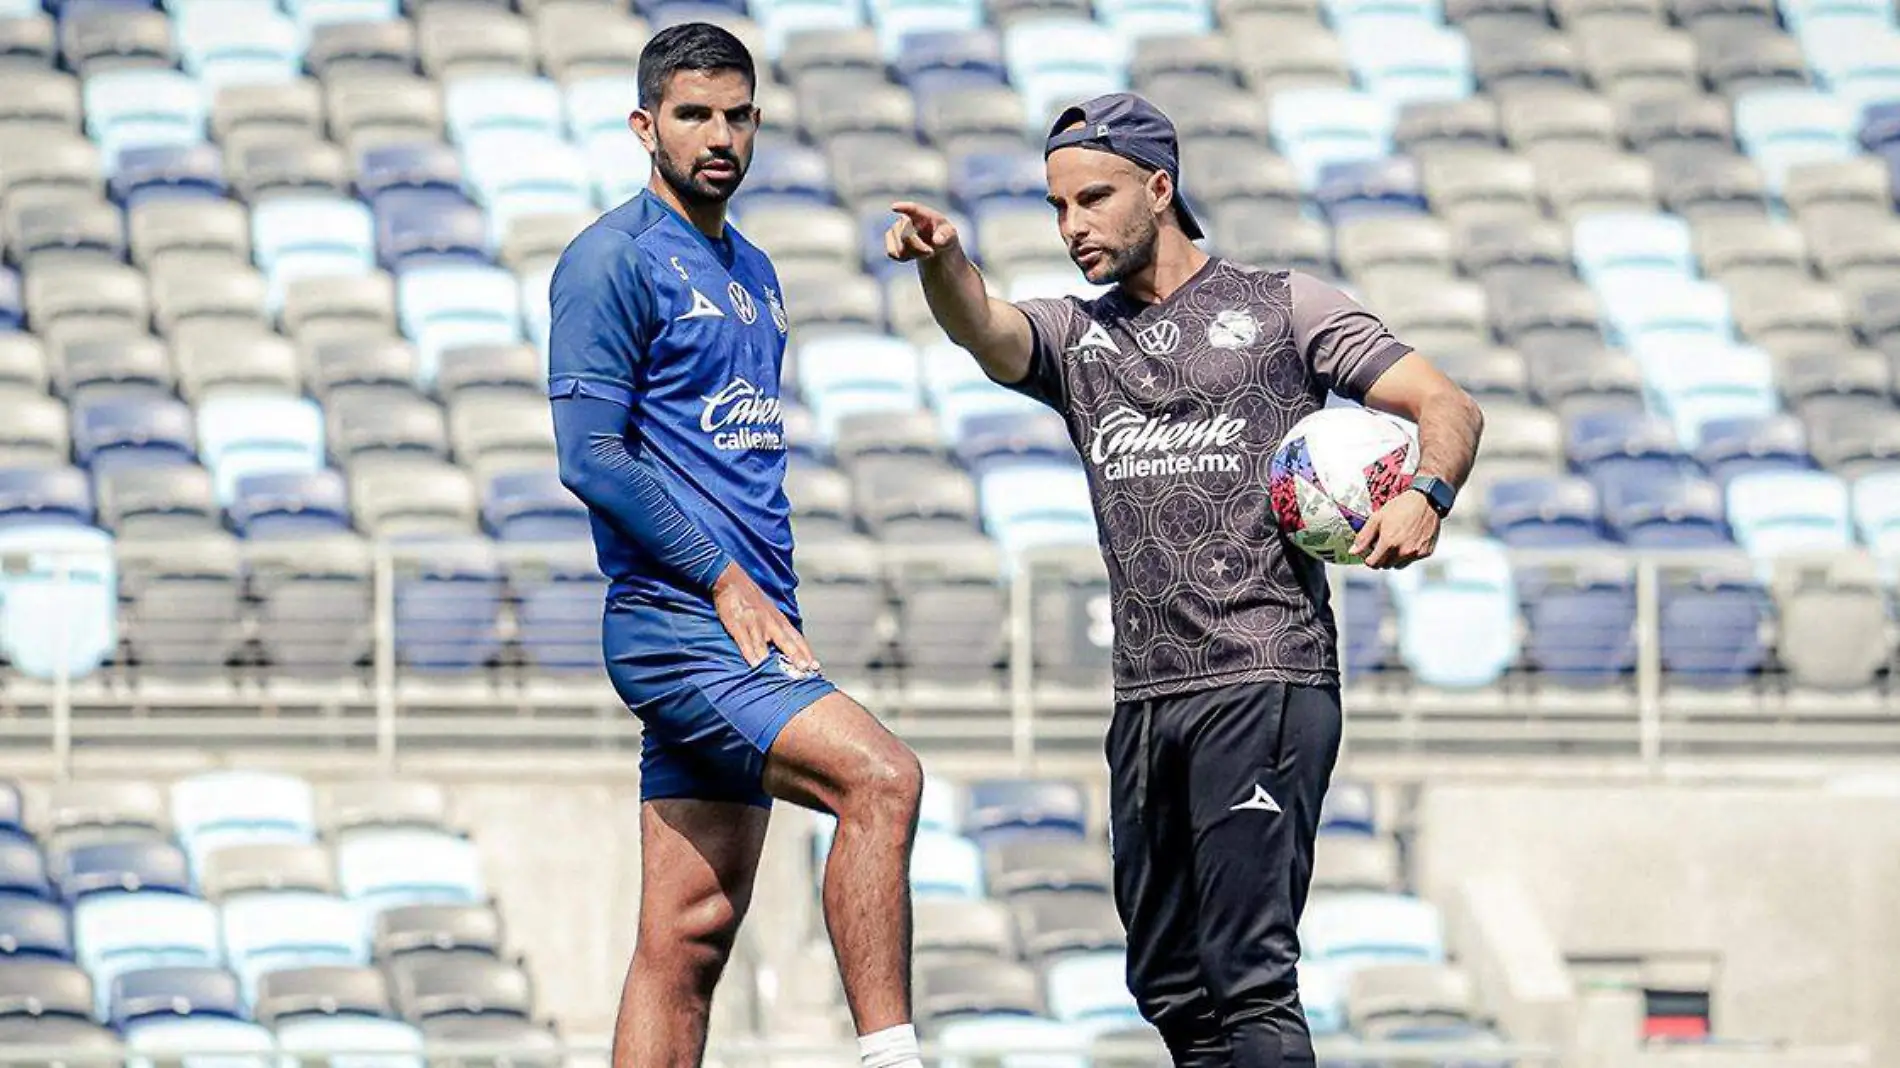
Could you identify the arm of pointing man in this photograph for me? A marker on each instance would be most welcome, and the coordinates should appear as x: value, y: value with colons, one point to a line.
x: 996, y: 332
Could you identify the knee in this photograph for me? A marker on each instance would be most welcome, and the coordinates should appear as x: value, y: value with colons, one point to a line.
x: 694, y: 942
x: 887, y: 789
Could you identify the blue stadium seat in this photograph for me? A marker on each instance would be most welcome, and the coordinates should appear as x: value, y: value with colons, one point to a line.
x: 1133, y: 20
x: 115, y: 433
x: 1357, y: 929
x: 420, y: 228
x: 1544, y: 513
x: 1731, y: 447
x: 272, y: 931
x: 12, y: 809
x: 157, y: 171
x: 796, y: 171
x: 595, y: 106
x: 446, y: 611
x: 1877, y: 512
x: 515, y: 102
x: 1367, y: 605
x: 296, y: 237
x: 843, y: 374
x: 972, y: 57
x: 1652, y: 308
x: 1458, y: 615
x: 946, y: 865
x: 294, y: 505
x: 1056, y: 61
x: 31, y: 928
x: 22, y: 869
x: 44, y: 496
x: 1676, y: 510
x: 532, y: 505
x: 1401, y: 60
x: 62, y: 600
x: 119, y: 931
x: 515, y: 173
x: 382, y: 868
x: 1785, y: 128
x: 1091, y: 988
x: 421, y: 166
x: 979, y: 178
x: 12, y: 301
x: 899, y: 22
x: 240, y: 436
x: 1613, y: 243
x: 998, y: 809
x: 1879, y: 128
x: 1349, y: 191
x: 1612, y: 444
x: 1317, y: 126
x: 1582, y: 622
x: 217, y: 809
x: 1348, y: 808
x: 167, y: 992
x: 141, y: 108
x: 447, y: 306
x: 560, y: 593
x: 313, y: 13
x: 1693, y: 382
x: 994, y: 440
x: 940, y: 811
x: 1711, y: 629
x: 238, y: 44
x: 1028, y: 505
x: 1780, y: 512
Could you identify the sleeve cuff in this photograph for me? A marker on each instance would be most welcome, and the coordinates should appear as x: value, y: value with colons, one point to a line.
x: 1370, y: 369
x: 588, y: 386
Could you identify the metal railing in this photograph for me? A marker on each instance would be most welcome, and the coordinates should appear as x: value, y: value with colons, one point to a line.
x: 426, y: 650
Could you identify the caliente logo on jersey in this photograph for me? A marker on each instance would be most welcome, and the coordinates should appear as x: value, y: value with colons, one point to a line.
x: 1128, y: 444
x: 740, y: 417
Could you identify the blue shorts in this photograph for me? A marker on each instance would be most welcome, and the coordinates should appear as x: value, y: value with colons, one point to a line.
x: 709, y: 718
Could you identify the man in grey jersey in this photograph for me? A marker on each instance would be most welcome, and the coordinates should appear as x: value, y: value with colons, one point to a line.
x: 1177, y: 385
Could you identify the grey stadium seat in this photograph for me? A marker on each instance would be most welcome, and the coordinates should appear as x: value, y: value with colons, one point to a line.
x: 1740, y: 62
x: 951, y: 930
x: 1741, y: 249
x: 1722, y: 14
x: 841, y: 595
x: 1435, y: 317
x: 1803, y: 377
x: 1036, y: 863
x: 228, y: 295
x: 1346, y: 863
x: 958, y: 988
x: 23, y: 363
x: 64, y: 230
x: 529, y: 1044
x: 588, y: 40
x: 1589, y: 180
x: 1065, y: 921
x: 1429, y: 126
x: 538, y: 240
x: 115, y: 364
x: 1593, y: 379
x: 1833, y: 622
x: 1705, y: 184
x: 821, y: 502
x: 35, y: 430
x: 183, y: 613
x: 834, y: 299
x: 1481, y: 184
x: 74, y: 804
x: 1388, y: 998
x: 1517, y: 62
x: 259, y: 112
x: 45, y: 988
x: 385, y: 803
x: 382, y: 428
x: 907, y: 310
x: 1203, y: 54
x: 805, y: 234
x: 1487, y: 371
x: 343, y: 370
x: 852, y: 50
x: 986, y: 110
x: 1690, y: 119
x: 478, y: 370
x: 864, y: 168
x: 1852, y: 439
x: 242, y: 868
x: 1072, y: 637
x: 883, y: 448
x: 1012, y: 237
x: 1497, y: 16
x: 1264, y: 235
x: 355, y: 304
x: 1557, y: 115
x: 342, y: 50
x: 922, y: 505
x: 1855, y: 251
x: 455, y: 41
x: 1527, y: 315
x: 484, y: 427
x: 63, y: 163
x: 1231, y: 169
x: 101, y: 39
x: 1653, y: 62
x: 384, y: 108
x: 828, y: 107
x: 1521, y: 440
x: 269, y: 168
x: 441, y: 984
x: 412, y: 928
x: 327, y: 990
x: 1205, y: 106
x: 1863, y: 180
x: 1283, y: 52
x: 1365, y: 246
x: 314, y: 615
x: 1801, y: 314
x: 38, y: 101
x: 1488, y: 249
x: 951, y: 611
x: 158, y: 502
x: 215, y: 357
x: 189, y: 227
x: 414, y: 498
x: 27, y: 41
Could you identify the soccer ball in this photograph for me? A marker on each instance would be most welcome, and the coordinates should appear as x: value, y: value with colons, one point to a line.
x: 1333, y: 469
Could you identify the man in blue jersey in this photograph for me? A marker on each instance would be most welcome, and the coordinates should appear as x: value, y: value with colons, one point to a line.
x: 668, y: 334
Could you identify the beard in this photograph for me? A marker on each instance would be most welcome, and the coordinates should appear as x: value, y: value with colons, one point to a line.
x: 692, y: 184
x: 1133, y: 253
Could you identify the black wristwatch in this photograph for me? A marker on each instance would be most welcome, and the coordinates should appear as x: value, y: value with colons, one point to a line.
x: 1439, y: 492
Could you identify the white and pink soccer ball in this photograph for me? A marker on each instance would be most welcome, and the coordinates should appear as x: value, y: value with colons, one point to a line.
x: 1333, y: 469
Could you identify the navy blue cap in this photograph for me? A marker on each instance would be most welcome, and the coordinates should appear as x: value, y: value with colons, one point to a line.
x: 1129, y: 127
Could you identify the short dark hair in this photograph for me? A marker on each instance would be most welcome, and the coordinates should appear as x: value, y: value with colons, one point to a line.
x: 690, y: 46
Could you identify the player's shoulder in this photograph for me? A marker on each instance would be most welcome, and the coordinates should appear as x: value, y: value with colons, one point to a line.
x: 616, y: 237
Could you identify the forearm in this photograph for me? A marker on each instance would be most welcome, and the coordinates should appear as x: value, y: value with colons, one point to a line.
x: 624, y: 488
x: 1450, y: 425
x: 970, y: 317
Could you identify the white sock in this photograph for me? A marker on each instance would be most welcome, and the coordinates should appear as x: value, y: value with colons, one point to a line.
x: 893, y: 1047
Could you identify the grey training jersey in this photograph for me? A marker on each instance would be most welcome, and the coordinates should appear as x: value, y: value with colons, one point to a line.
x: 1177, y: 408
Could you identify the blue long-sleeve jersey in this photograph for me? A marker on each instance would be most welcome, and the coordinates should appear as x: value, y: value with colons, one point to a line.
x: 664, y: 361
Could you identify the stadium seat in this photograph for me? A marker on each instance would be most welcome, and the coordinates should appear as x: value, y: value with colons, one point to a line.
x: 412, y: 928
x: 1054, y: 61
x: 1031, y: 862
x: 477, y: 105
x: 420, y: 165
x: 1052, y: 923
x: 171, y: 991
x: 1090, y: 988
x: 240, y: 436
x: 241, y: 870
x: 1695, y: 382
x: 1399, y: 61
x: 1001, y: 809
x: 61, y: 991
x: 110, y: 434
x: 140, y: 108
x: 33, y: 930
x: 1782, y: 128
x: 1544, y: 512
x: 517, y: 174
x: 385, y: 868
x: 445, y: 307
x: 213, y: 810
x: 1466, y: 590
x: 1711, y: 626
x: 532, y: 505
x: 560, y: 589
x: 1357, y: 930
x: 311, y: 237
x: 1876, y: 506
x: 45, y: 496
x: 424, y: 228
x: 1029, y: 505
x: 1582, y: 622
x: 290, y: 505
x: 1833, y: 616
x: 62, y: 599
x: 404, y: 802
x: 119, y: 932
x: 22, y: 869
x: 1774, y: 513
x: 428, y: 985
x: 1351, y: 862
x: 446, y: 608
x: 1316, y: 127
x: 946, y: 865
x: 267, y: 932
x: 234, y: 44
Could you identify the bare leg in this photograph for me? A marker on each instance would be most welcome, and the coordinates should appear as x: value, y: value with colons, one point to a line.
x: 697, y: 861
x: 836, y: 757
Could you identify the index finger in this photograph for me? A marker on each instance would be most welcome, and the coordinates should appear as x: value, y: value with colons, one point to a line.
x: 914, y: 211
x: 793, y: 645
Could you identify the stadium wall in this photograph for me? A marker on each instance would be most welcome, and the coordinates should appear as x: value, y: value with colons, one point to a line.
x: 1791, y: 889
